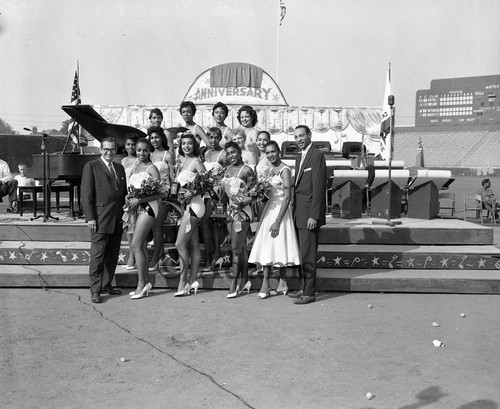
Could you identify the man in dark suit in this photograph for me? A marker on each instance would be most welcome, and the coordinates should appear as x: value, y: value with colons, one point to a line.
x: 309, y: 210
x: 103, y: 195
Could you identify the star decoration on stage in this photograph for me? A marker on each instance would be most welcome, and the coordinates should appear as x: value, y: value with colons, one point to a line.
x: 121, y: 257
x: 375, y: 261
x: 481, y: 262
x: 337, y: 260
x: 12, y: 255
x: 44, y: 256
x: 410, y: 262
x: 276, y: 97
x: 74, y: 257
x: 444, y: 262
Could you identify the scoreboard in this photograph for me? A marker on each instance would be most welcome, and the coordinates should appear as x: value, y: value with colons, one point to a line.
x: 459, y: 101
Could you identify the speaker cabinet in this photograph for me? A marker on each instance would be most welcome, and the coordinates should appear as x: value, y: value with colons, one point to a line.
x: 347, y: 201
x: 423, y: 201
x: 381, y: 205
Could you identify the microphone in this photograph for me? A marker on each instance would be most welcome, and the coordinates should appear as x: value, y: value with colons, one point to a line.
x: 390, y: 100
x: 39, y: 133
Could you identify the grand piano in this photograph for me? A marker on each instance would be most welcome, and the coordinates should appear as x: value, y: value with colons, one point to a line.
x: 69, y: 166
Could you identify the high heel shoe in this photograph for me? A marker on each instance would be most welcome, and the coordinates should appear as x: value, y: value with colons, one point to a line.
x: 144, y: 292
x: 247, y: 287
x: 194, y: 287
x: 235, y: 294
x: 283, y: 291
x: 263, y: 296
x: 155, y: 267
x: 185, y: 291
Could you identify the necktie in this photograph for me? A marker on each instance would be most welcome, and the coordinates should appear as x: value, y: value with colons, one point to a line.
x: 113, y: 174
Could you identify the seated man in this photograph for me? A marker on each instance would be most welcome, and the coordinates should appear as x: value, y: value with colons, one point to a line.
x: 23, y: 179
x: 488, y: 198
x: 8, y: 186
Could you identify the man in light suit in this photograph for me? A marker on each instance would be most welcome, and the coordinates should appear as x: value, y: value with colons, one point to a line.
x: 103, y: 195
x: 309, y: 210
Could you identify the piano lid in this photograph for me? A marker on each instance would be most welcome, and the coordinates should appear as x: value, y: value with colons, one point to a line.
x: 97, y: 126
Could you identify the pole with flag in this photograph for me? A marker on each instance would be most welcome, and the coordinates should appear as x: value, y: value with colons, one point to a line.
x: 385, y: 124
x: 387, y: 130
x: 73, y: 127
x: 282, y: 14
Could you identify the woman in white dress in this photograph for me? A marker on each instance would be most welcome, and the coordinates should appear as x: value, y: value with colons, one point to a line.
x: 276, y: 241
x: 164, y: 162
x: 263, y: 164
x: 236, y: 178
x: 146, y: 209
x: 128, y: 162
x: 187, y: 242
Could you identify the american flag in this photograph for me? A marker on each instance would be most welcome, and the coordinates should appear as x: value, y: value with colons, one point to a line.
x: 282, y: 11
x: 73, y: 127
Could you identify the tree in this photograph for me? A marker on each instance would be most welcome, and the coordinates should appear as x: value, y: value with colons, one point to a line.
x: 5, y: 128
x: 64, y: 126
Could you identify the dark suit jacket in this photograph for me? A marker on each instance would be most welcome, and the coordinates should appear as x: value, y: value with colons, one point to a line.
x: 101, y: 200
x: 310, y: 189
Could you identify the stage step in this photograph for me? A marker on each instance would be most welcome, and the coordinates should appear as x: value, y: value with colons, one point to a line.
x: 336, y: 231
x: 362, y: 280
x: 376, y: 256
x: 411, y: 232
x: 338, y: 256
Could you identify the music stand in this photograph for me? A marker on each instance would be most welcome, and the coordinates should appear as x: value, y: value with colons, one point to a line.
x: 46, y: 190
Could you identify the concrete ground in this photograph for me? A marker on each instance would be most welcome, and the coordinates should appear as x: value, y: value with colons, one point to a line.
x: 204, y: 351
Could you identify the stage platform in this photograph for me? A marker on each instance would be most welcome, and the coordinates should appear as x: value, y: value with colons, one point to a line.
x: 440, y: 255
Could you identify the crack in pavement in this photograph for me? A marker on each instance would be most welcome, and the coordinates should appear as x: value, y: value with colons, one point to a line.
x: 186, y: 365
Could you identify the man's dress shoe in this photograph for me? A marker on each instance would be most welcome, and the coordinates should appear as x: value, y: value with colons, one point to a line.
x: 295, y: 294
x: 96, y: 298
x: 110, y: 291
x: 305, y: 299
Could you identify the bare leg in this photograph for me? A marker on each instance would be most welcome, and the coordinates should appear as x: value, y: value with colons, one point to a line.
x: 282, y: 285
x: 206, y: 233
x: 139, y: 242
x: 194, y: 245
x: 182, y: 243
x: 266, y: 287
x: 158, y: 238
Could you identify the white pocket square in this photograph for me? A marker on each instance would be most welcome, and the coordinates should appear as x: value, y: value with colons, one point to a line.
x: 307, y: 170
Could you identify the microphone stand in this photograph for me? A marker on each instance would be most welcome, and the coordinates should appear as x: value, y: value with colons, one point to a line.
x: 389, y: 222
x: 46, y: 188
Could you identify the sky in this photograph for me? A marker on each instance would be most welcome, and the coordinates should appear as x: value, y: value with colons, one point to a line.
x: 326, y: 52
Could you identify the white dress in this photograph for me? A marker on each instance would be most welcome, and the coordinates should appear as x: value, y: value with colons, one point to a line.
x: 283, y: 250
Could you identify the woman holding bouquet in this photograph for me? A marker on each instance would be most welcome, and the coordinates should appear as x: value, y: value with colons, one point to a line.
x: 187, y: 242
x: 144, y: 202
x: 276, y: 242
x: 215, y: 161
x: 128, y: 163
x: 164, y: 162
x: 237, y: 177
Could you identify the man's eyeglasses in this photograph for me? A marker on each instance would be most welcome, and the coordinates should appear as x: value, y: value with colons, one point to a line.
x: 107, y: 150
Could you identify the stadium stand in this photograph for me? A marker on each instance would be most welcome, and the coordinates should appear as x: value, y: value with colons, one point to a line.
x: 450, y: 149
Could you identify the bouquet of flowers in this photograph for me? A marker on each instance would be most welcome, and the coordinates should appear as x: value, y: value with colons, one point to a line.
x: 260, y: 187
x: 206, y: 182
x: 149, y: 187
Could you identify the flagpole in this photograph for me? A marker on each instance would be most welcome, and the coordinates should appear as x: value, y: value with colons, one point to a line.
x: 278, y: 42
